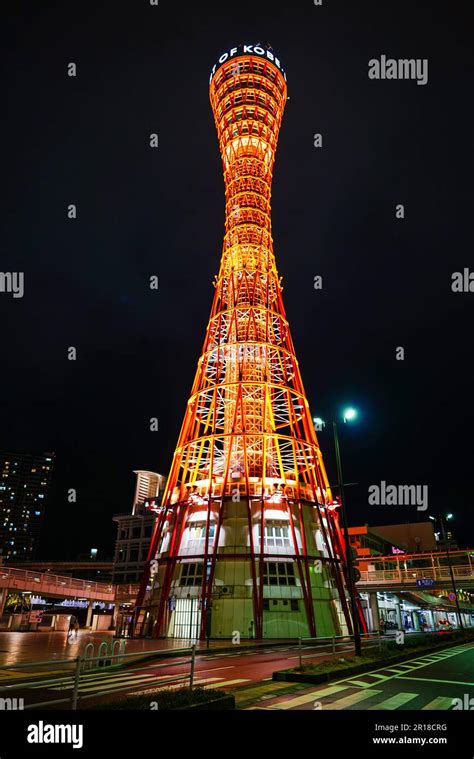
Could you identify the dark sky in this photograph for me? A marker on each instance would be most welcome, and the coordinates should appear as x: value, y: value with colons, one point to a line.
x: 386, y: 282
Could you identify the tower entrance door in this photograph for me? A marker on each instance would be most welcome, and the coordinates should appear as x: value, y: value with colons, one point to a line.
x: 185, y: 620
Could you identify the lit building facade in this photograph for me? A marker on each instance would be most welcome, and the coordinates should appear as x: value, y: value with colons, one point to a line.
x: 247, y: 537
x: 134, y: 530
x: 25, y: 483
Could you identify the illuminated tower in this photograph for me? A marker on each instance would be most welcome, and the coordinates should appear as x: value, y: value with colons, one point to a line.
x: 247, y: 537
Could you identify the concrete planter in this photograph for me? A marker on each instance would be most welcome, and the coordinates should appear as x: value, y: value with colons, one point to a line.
x: 324, y: 677
x: 219, y: 703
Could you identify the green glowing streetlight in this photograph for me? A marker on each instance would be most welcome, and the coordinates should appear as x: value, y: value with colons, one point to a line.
x: 349, y: 413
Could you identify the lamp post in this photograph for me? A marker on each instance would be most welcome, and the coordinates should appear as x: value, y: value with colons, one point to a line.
x: 348, y: 415
x: 451, y: 573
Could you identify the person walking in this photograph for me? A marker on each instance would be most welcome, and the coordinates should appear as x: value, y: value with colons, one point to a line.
x: 72, y: 626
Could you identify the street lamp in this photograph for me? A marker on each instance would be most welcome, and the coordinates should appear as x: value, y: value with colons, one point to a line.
x: 448, y: 556
x: 348, y: 415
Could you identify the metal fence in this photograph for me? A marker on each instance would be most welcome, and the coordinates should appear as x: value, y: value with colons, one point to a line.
x: 335, y: 643
x: 76, y: 669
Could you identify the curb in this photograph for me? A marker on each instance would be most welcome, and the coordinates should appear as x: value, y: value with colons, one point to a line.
x: 289, y: 676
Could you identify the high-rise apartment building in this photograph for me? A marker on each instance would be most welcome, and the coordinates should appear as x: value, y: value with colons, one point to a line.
x: 25, y: 481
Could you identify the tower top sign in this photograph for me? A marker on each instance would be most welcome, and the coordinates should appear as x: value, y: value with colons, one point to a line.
x: 263, y: 51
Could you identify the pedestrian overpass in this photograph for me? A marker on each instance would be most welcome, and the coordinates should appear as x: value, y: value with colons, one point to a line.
x: 411, y: 571
x: 59, y: 586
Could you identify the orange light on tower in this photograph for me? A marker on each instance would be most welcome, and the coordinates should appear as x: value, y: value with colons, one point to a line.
x: 247, y: 538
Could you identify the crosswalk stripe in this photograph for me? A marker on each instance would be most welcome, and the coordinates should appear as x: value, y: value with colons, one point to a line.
x: 171, y: 687
x: 440, y: 702
x: 108, y: 686
x: 413, y: 665
x: 144, y: 680
x: 359, y: 683
x: 434, y: 680
x: 354, y: 698
x: 313, y: 696
x: 68, y: 682
x: 225, y: 683
x: 379, y: 677
x: 394, y: 702
x: 65, y: 685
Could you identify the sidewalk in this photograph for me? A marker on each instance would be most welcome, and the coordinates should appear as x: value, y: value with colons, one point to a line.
x: 26, y: 647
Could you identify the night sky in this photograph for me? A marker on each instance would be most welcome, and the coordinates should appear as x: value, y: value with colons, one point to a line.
x: 386, y: 282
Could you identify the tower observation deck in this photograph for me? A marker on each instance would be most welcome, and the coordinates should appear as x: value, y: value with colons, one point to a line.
x: 247, y: 536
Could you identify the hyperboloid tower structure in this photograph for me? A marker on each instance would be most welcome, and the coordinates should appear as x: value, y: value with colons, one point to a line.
x: 246, y: 538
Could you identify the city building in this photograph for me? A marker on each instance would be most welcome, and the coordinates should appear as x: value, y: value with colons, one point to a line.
x: 368, y: 543
x: 406, y: 585
x: 247, y: 537
x: 25, y: 482
x: 134, y: 529
x: 412, y: 537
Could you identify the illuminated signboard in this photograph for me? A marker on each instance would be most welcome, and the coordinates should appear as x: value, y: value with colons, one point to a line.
x: 259, y: 50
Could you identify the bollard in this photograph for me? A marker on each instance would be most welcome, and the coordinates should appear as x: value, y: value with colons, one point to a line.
x: 300, y: 650
x: 333, y: 646
x: 75, y: 689
x: 193, y: 661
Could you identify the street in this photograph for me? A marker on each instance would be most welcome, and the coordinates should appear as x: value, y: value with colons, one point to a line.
x: 431, y: 681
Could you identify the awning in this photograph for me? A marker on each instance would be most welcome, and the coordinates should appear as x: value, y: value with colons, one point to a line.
x: 434, y: 603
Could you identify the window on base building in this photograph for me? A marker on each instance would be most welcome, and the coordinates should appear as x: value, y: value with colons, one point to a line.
x: 191, y: 574
x: 276, y: 534
x: 197, y: 534
x: 279, y: 573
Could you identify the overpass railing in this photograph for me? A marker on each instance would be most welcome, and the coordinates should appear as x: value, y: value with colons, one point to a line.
x: 411, y: 575
x: 38, y: 582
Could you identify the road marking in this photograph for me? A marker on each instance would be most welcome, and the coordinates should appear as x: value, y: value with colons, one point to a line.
x: 225, y: 683
x: 407, y: 666
x: 100, y: 678
x: 433, y: 680
x: 313, y: 696
x: 441, y: 702
x: 105, y: 686
x: 68, y: 684
x: 136, y: 681
x: 379, y: 677
x: 394, y: 702
x: 354, y: 698
x: 453, y: 652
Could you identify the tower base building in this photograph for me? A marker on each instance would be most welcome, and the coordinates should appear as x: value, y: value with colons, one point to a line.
x: 247, y: 540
